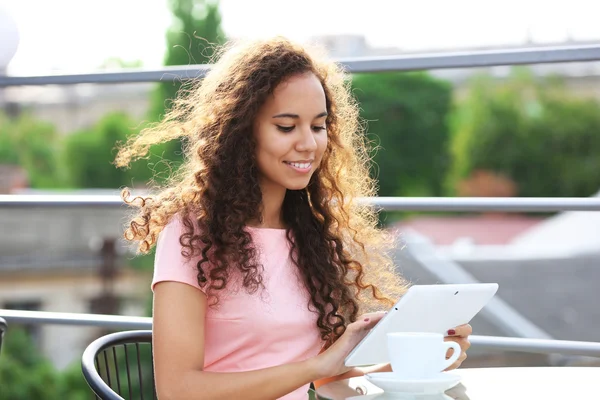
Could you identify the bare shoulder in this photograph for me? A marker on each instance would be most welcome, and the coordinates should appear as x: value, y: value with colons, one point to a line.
x: 178, y: 328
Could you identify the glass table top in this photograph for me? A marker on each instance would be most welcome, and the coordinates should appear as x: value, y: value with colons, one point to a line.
x: 528, y: 383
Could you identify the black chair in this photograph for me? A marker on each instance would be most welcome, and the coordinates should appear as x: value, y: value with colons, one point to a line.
x: 3, y: 328
x: 118, y: 366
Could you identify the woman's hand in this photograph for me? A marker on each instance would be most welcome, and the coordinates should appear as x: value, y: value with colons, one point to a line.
x: 460, y: 335
x: 331, y: 362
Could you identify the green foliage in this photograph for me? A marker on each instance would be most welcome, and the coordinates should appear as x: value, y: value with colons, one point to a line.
x: 531, y: 130
x: 73, y: 385
x: 191, y: 39
x: 143, y: 262
x: 406, y: 114
x: 89, y: 155
x: 33, y: 145
x: 119, y: 63
x: 24, y: 373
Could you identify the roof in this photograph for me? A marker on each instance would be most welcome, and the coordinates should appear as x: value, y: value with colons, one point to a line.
x: 570, y: 233
x: 12, y: 177
x: 557, y: 295
x: 486, y: 229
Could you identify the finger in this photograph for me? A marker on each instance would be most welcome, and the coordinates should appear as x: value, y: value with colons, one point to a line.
x: 365, y: 322
x: 458, y: 362
x: 464, y: 343
x: 376, y: 315
x: 461, y: 330
x: 449, y: 352
x: 371, y: 319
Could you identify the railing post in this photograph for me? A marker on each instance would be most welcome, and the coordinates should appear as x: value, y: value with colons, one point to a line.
x: 107, y: 302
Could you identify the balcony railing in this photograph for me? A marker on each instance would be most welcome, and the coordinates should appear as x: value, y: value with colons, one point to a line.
x: 378, y: 64
x: 494, y: 343
x: 412, y: 62
x: 465, y: 204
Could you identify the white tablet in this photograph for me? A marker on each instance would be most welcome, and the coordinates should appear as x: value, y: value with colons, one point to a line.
x: 424, y: 308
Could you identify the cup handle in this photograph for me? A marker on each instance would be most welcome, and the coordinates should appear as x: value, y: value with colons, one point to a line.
x: 457, y: 352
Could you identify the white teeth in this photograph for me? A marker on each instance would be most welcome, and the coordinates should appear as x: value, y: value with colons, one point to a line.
x: 300, y: 165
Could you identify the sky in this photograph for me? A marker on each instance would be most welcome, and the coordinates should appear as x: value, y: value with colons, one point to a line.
x: 78, y: 35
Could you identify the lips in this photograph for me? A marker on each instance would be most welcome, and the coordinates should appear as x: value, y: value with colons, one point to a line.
x: 300, y: 165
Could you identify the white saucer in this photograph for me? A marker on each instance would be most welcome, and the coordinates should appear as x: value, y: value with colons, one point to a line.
x: 390, y: 383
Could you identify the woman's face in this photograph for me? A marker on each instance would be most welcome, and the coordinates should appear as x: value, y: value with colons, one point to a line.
x: 290, y: 133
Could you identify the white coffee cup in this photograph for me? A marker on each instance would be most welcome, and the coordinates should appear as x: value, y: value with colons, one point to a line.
x: 417, y: 355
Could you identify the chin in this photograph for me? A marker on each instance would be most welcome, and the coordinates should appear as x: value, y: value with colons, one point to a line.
x: 297, y: 186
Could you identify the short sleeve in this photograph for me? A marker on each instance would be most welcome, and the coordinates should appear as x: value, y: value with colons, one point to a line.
x: 169, y: 263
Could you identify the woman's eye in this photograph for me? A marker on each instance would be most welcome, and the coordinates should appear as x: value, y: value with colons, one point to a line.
x: 285, y: 128
x: 318, y: 128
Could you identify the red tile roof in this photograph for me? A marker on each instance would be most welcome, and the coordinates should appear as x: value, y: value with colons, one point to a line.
x: 12, y: 178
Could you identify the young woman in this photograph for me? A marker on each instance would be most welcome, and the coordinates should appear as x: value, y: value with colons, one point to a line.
x: 264, y: 256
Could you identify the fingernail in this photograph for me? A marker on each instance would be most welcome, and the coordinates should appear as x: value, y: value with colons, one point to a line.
x: 451, y: 332
x: 366, y: 319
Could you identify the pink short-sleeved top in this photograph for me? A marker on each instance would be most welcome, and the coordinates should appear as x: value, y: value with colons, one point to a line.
x: 250, y: 331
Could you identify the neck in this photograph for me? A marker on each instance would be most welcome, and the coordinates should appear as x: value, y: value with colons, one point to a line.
x: 272, y: 204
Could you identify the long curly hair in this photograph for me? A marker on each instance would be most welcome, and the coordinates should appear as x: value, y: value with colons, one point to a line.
x: 336, y: 244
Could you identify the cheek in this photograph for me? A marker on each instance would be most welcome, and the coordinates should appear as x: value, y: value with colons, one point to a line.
x: 266, y: 148
x: 269, y: 153
x: 321, y: 145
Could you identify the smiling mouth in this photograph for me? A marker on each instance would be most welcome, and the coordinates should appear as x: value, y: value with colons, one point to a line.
x: 299, y: 165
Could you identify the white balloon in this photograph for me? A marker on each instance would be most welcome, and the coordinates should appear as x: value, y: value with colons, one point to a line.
x: 9, y: 38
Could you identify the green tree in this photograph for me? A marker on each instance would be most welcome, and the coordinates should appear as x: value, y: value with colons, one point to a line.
x: 191, y: 39
x: 407, y: 121
x: 119, y: 63
x: 24, y: 373
x: 89, y: 154
x: 531, y: 130
x: 72, y: 383
x: 33, y: 145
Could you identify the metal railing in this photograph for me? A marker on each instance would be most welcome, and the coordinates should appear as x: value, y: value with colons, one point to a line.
x: 411, y: 62
x: 75, y: 319
x: 465, y: 204
x: 118, y: 322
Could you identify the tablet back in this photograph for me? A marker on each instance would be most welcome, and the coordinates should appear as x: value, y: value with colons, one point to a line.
x: 424, y: 308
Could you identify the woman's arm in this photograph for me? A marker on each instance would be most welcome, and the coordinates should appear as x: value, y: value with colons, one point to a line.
x: 178, y: 343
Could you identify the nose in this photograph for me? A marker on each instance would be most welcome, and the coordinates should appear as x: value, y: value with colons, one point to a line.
x: 306, y: 142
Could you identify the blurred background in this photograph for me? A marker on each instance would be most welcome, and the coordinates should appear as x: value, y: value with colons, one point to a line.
x: 527, y: 131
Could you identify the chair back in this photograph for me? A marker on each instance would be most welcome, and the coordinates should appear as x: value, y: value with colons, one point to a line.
x: 3, y: 328
x: 119, y: 366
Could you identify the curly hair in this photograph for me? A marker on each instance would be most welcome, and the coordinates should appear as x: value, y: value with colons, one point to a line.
x: 336, y: 244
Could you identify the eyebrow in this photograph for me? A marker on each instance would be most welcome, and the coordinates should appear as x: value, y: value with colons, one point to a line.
x: 296, y: 116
